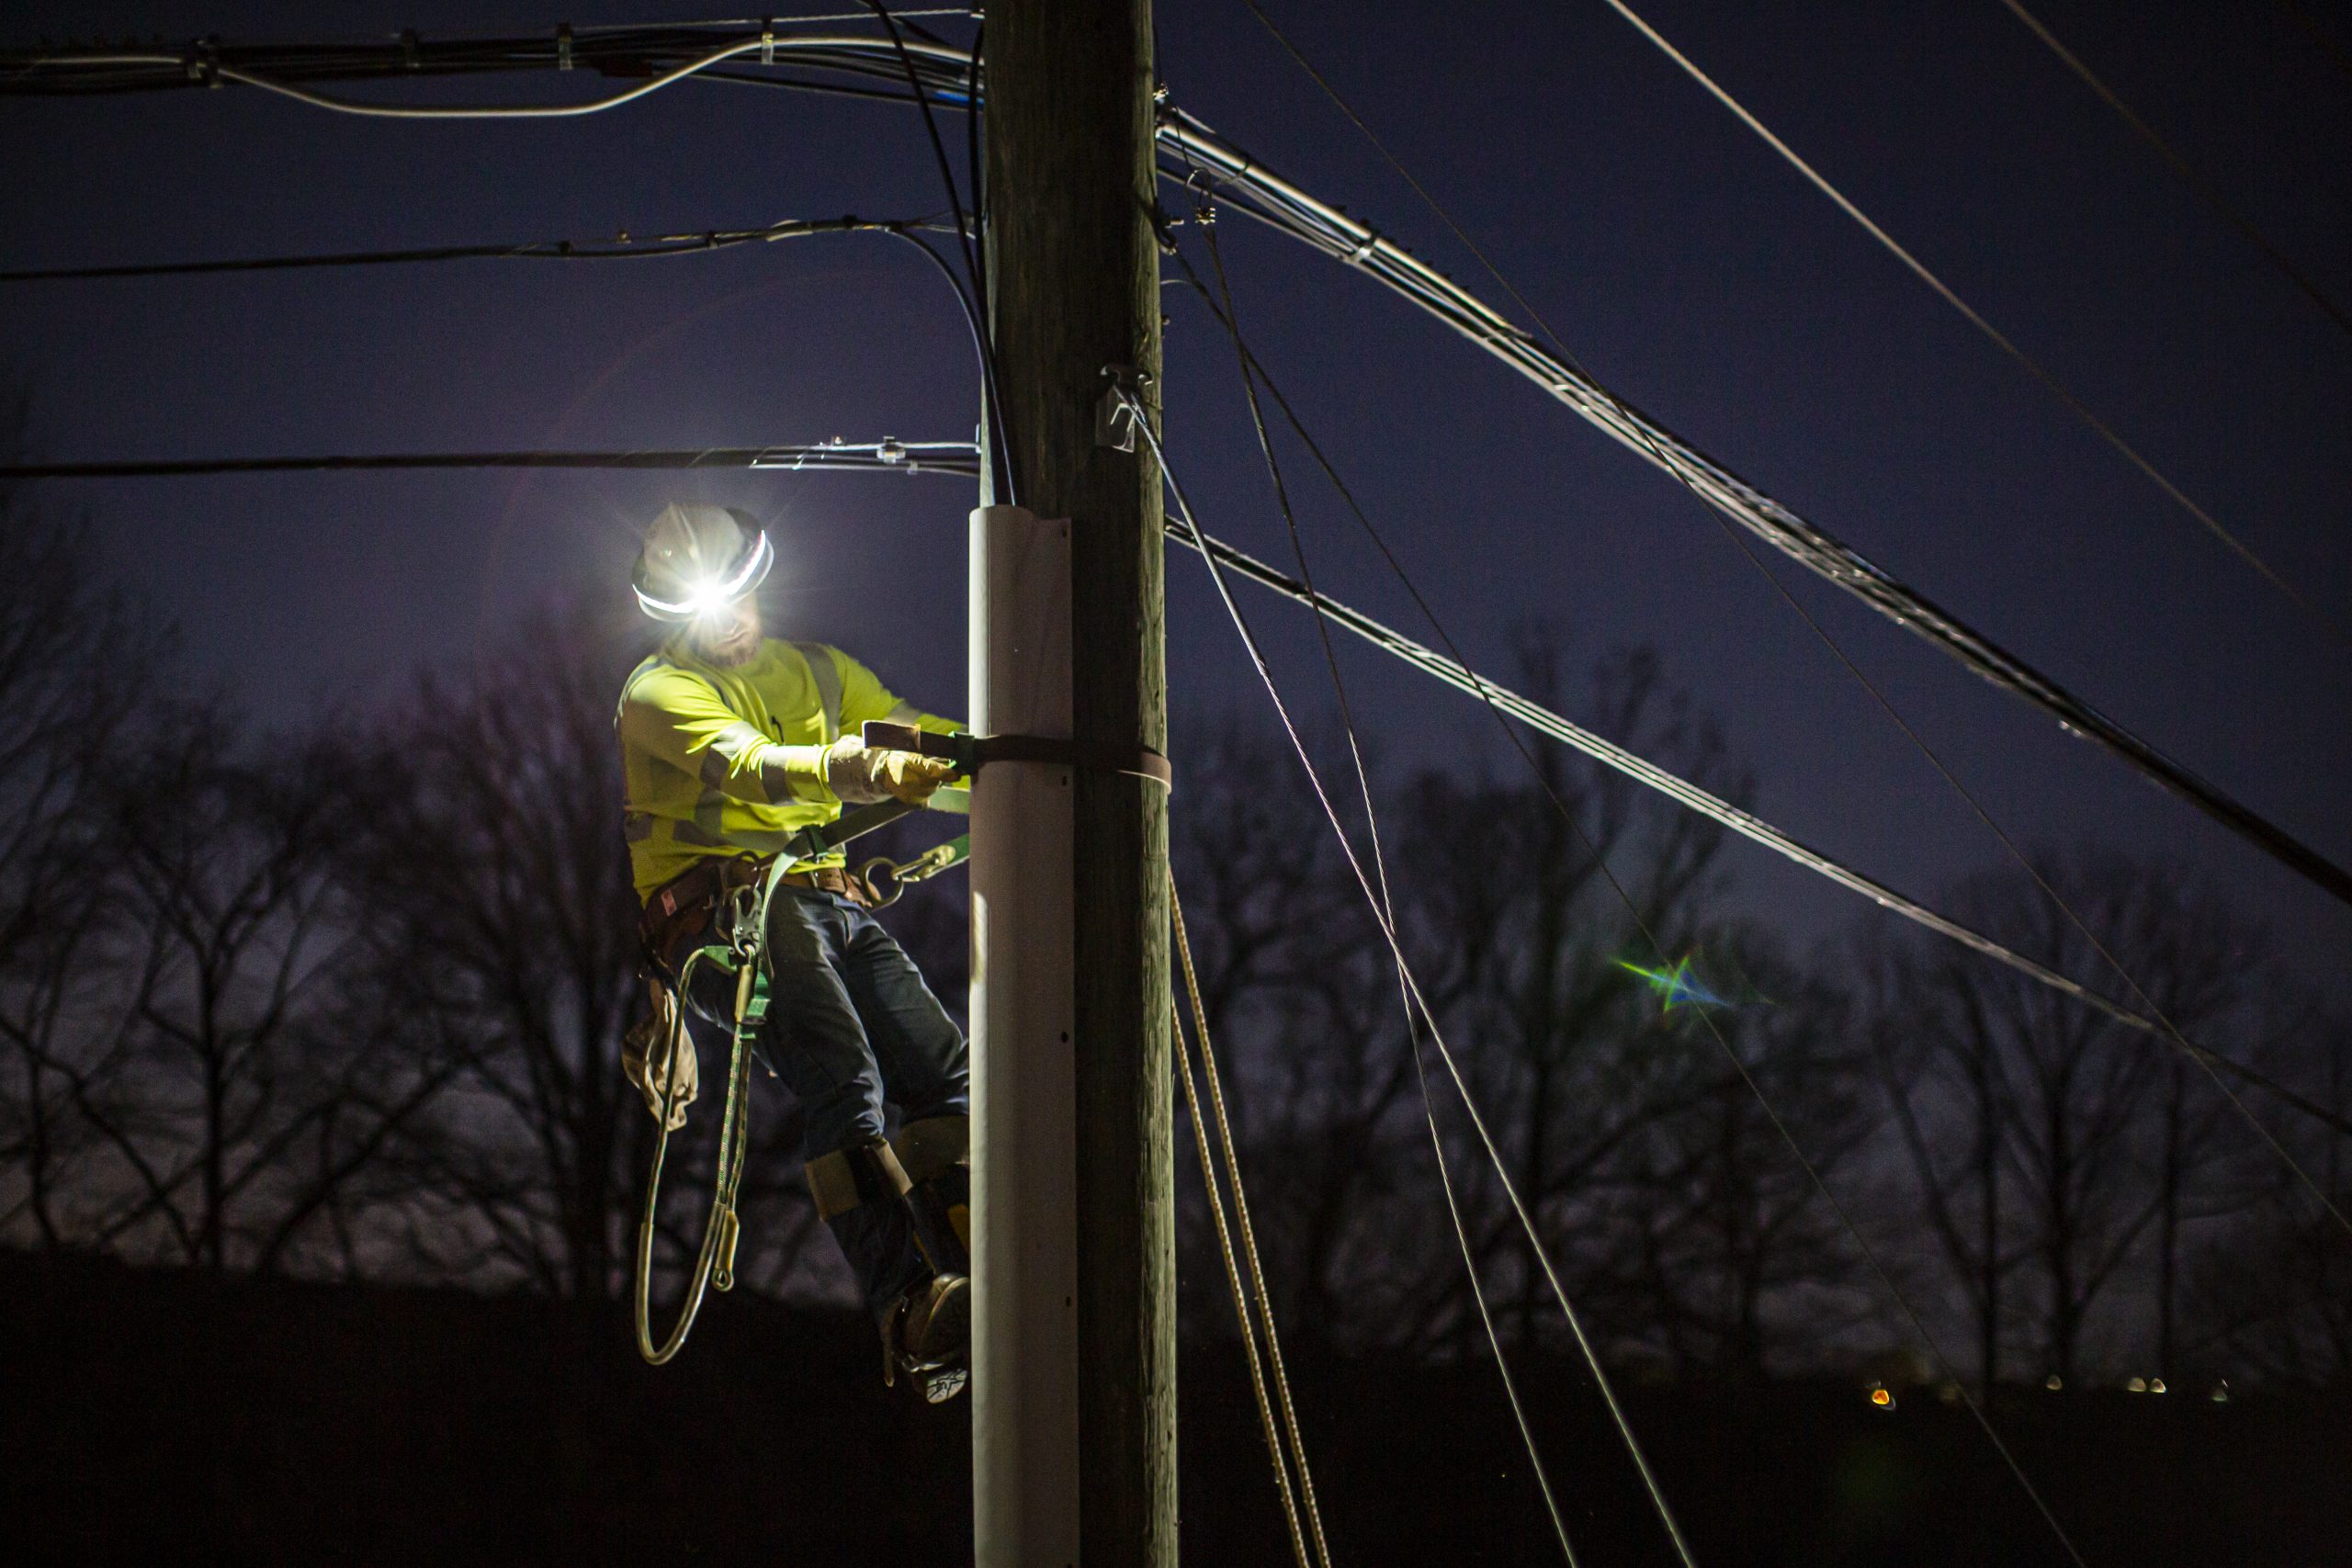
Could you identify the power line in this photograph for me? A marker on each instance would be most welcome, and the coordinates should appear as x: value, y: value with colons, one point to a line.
x: 2152, y: 1015
x: 1640, y: 924
x: 887, y: 456
x: 622, y: 247
x: 210, y: 68
x: 2000, y: 339
x: 1141, y: 420
x: 1257, y: 192
x: 1262, y: 195
x: 1450, y: 668
x: 2181, y: 166
x: 1206, y: 215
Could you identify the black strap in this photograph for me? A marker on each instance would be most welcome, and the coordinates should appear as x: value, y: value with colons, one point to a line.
x: 972, y: 753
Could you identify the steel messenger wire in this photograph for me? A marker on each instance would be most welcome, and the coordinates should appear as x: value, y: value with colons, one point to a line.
x: 1230, y: 321
x: 622, y: 247
x: 1241, y: 1295
x: 1258, y: 192
x: 1188, y: 146
x: 1205, y: 216
x: 957, y: 457
x: 1999, y: 340
x: 1141, y: 420
x: 888, y: 456
x: 1844, y: 1219
x: 1739, y: 1067
x: 1000, y: 452
x: 2180, y: 166
x: 1652, y: 446
x: 2152, y: 1018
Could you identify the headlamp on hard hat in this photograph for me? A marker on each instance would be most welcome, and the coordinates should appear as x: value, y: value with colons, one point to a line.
x: 697, y: 560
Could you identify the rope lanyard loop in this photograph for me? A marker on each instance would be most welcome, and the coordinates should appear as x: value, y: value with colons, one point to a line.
x: 715, y: 1259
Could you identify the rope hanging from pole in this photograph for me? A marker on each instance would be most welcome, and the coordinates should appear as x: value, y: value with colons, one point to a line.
x: 1303, y: 1498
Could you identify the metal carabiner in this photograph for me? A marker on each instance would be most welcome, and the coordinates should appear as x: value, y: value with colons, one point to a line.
x: 884, y: 881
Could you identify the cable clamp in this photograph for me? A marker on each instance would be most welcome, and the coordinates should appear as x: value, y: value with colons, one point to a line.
x: 767, y: 41
x: 890, y: 449
x: 1114, y: 428
x: 563, y: 46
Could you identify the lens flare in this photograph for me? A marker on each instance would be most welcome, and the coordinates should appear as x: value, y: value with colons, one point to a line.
x: 1675, y: 987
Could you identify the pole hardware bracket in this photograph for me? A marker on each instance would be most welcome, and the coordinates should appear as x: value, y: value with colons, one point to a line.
x: 1114, y: 426
x: 972, y: 753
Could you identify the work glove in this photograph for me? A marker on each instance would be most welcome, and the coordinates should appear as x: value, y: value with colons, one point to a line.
x: 646, y: 1059
x: 861, y: 774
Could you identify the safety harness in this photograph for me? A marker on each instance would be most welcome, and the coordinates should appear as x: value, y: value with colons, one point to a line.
x: 739, y: 923
x: 731, y: 944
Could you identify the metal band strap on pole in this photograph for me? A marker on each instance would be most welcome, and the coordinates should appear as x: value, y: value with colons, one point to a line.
x: 972, y: 753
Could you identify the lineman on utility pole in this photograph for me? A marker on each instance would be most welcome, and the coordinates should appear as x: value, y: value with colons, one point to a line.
x: 731, y: 743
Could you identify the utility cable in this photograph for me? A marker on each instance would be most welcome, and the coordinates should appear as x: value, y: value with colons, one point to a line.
x: 215, y: 69
x: 1450, y: 668
x: 2171, y: 1032
x: 902, y: 457
x: 1260, y: 193
x: 1142, y: 421
x: 621, y: 247
x: 2205, y: 188
x: 1205, y: 216
x: 2000, y: 340
x: 1000, y: 448
x: 2165, y: 1028
x: 2333, y: 52
x: 1666, y: 454
x: 1304, y: 1501
x: 1853, y: 1230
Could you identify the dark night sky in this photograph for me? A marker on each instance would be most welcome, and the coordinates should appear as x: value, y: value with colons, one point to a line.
x: 1684, y: 263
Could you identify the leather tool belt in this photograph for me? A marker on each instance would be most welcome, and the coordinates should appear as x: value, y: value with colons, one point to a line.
x: 679, y: 912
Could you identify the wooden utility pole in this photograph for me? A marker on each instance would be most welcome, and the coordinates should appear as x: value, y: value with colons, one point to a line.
x: 1075, y: 277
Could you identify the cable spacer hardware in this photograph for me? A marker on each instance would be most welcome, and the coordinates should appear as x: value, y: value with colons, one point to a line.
x: 970, y: 753
x: 767, y: 41
x: 563, y: 46
x: 1114, y: 415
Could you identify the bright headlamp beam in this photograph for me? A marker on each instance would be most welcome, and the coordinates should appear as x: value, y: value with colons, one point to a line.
x: 714, y: 594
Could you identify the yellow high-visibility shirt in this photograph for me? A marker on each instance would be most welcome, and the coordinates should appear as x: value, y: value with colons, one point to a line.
x: 731, y: 760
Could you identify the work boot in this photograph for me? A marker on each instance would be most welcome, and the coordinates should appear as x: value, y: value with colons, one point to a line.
x: 861, y: 1195
x: 927, y: 1336
x: 935, y: 1153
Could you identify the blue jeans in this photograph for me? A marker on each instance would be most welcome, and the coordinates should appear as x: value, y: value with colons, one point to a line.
x: 851, y: 1023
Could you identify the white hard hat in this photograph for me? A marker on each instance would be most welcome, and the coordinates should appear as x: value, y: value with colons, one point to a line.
x: 697, y: 558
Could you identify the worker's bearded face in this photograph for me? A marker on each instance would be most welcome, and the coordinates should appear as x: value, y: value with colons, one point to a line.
x: 731, y: 634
